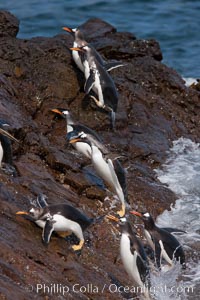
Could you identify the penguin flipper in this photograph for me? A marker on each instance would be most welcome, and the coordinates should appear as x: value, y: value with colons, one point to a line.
x: 109, y: 66
x: 117, y: 187
x: 41, y: 200
x: 121, y: 175
x: 143, y: 269
x: 174, y: 230
x: 89, y: 83
x: 113, y: 173
x: 47, y: 231
x: 158, y: 254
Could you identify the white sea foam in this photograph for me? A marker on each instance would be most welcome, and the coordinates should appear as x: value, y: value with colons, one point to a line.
x: 181, y: 173
x: 189, y: 81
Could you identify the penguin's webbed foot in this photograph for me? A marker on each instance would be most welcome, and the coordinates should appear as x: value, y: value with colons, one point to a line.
x: 122, y: 212
x: 98, y: 103
x: 79, y: 246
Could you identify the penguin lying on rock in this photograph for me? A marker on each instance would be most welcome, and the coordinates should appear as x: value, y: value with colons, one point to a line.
x: 63, y: 218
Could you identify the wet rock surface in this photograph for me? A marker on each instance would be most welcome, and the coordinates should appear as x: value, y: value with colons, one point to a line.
x: 155, y: 108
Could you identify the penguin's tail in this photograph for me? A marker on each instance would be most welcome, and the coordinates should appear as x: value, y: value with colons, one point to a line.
x: 112, y: 119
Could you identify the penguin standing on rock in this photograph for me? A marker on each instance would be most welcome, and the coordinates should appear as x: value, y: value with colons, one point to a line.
x: 79, y: 41
x: 100, y: 82
x: 62, y: 218
x: 79, y: 57
x: 163, y: 243
x: 110, y: 170
x: 133, y: 256
x: 5, y: 145
x: 71, y: 126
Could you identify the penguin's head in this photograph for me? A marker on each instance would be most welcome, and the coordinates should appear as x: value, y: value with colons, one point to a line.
x: 60, y: 112
x: 121, y: 221
x: 75, y: 136
x: 146, y: 217
x: 34, y: 213
x: 124, y: 224
x: 72, y: 31
x: 75, y: 32
x: 3, y: 124
x: 5, y: 133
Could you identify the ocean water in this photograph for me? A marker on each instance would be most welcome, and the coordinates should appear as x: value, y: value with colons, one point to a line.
x: 181, y: 173
x: 174, y: 24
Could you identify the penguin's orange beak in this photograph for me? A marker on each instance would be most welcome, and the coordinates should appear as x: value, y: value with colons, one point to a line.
x: 74, y: 140
x: 136, y: 213
x: 113, y: 218
x: 67, y: 29
x: 76, y: 49
x: 22, y: 213
x: 57, y: 111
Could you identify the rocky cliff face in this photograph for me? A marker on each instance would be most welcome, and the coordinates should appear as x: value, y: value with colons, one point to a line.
x: 155, y: 108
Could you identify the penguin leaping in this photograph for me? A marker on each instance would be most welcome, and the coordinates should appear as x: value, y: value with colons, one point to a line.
x: 100, y: 82
x: 61, y: 218
x: 163, y: 243
x: 133, y: 256
x: 110, y: 170
x: 82, y: 148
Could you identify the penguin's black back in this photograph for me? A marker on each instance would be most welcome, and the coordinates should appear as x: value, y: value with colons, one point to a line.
x: 143, y: 269
x: 71, y: 213
x: 80, y: 127
x: 7, y: 150
x: 170, y: 243
x: 108, y: 88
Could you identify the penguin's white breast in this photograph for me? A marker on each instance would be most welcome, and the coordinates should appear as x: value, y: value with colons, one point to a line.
x: 40, y: 223
x: 129, y: 260
x: 86, y: 69
x: 83, y: 148
x: 1, y: 153
x: 61, y: 223
x: 149, y: 239
x: 102, y: 167
x: 77, y: 59
x: 98, y: 88
x: 164, y: 253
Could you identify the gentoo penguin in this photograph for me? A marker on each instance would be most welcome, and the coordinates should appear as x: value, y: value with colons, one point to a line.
x: 79, y: 57
x: 71, y: 126
x: 163, y: 243
x: 100, y: 82
x: 61, y: 218
x: 5, y: 145
x: 133, y: 255
x: 110, y: 170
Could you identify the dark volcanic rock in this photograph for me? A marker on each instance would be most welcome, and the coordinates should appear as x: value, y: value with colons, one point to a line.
x: 9, y: 24
x: 155, y: 108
